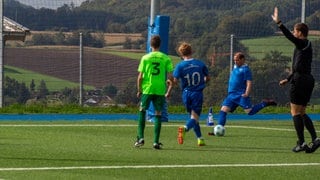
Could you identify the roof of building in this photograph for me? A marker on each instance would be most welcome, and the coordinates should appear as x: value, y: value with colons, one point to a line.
x: 13, y: 30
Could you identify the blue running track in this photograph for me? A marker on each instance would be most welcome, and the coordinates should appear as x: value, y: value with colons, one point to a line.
x: 173, y: 117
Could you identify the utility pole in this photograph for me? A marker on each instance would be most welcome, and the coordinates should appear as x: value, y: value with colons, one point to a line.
x: 1, y: 53
x: 80, y: 71
x: 303, y: 11
x: 154, y: 10
x: 231, y: 52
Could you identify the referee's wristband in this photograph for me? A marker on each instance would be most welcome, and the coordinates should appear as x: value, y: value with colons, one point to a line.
x: 279, y: 23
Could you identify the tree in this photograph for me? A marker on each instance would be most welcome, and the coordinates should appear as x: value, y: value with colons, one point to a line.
x: 15, y: 92
x: 267, y: 73
x: 32, y: 86
x: 59, y: 38
x: 128, y: 96
x: 216, y: 89
x: 70, y: 95
x: 10, y: 87
x: 23, y: 94
x: 128, y: 43
x: 42, y: 39
x: 110, y: 90
x: 42, y: 90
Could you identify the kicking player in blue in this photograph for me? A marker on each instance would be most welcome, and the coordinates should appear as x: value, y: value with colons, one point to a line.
x: 240, y: 85
x: 193, y: 75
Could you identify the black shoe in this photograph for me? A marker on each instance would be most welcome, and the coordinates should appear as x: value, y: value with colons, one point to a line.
x: 157, y: 145
x: 139, y: 142
x: 269, y: 102
x: 313, y: 146
x: 300, y: 147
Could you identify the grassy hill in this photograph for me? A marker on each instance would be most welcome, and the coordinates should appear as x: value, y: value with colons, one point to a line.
x: 26, y: 76
x: 258, y: 47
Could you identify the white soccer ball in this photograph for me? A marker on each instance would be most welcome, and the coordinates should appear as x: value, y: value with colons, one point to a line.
x: 219, y: 130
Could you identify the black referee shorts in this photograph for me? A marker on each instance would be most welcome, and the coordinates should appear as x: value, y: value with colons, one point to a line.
x: 301, y: 89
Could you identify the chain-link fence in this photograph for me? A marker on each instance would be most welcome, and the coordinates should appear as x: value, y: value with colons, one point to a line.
x: 51, y: 59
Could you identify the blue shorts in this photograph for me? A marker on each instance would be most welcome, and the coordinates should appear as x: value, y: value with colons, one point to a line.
x: 234, y: 100
x: 193, y: 100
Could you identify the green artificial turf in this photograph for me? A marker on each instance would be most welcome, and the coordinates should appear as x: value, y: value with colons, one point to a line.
x: 104, y: 150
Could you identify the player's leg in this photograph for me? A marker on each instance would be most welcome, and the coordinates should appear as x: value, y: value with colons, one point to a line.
x: 264, y: 103
x: 158, y: 103
x: 315, y: 141
x: 227, y: 106
x: 190, y: 123
x: 196, y: 105
x: 300, y: 94
x: 144, y: 104
x: 309, y: 125
x: 298, y: 123
x: 187, y: 101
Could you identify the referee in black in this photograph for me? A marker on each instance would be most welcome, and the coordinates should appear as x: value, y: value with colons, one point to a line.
x: 302, y: 83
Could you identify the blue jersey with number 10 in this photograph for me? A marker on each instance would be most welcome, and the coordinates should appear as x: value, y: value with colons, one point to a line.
x: 191, y: 73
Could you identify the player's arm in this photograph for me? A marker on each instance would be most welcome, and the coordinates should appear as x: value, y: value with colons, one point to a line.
x: 139, y: 83
x: 275, y: 16
x: 283, y: 82
x: 248, y: 89
x: 170, y: 85
x: 285, y: 31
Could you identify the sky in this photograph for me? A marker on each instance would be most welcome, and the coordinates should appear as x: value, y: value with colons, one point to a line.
x: 52, y: 4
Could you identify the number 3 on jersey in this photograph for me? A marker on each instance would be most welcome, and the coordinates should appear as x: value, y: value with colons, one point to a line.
x: 156, y: 69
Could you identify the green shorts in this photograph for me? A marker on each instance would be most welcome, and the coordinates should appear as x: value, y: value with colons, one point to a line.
x: 157, y: 100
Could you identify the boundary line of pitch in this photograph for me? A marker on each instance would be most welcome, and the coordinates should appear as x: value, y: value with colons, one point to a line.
x: 159, y: 166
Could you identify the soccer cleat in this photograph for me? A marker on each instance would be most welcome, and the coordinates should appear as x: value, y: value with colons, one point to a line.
x: 157, y: 145
x: 211, y: 133
x: 300, y: 147
x: 313, y: 146
x: 269, y: 102
x: 139, y: 142
x: 201, y: 142
x: 181, y: 133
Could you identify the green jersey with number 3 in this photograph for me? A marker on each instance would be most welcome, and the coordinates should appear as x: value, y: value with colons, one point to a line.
x: 154, y: 66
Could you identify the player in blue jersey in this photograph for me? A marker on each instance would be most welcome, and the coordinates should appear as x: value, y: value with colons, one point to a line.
x: 240, y: 85
x: 193, y: 75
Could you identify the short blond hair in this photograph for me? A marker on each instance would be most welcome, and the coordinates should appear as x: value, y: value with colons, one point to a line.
x: 184, y: 49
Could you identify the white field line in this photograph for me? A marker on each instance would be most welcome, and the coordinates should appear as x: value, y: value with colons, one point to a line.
x: 261, y: 128
x: 159, y: 166
x: 128, y: 125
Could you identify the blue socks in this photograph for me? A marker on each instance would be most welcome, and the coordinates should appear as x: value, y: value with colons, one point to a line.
x: 192, y: 123
x: 222, y: 118
x: 197, y: 130
x: 256, y: 108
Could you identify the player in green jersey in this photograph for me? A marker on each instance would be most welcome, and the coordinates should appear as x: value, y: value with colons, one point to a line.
x: 155, y: 73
